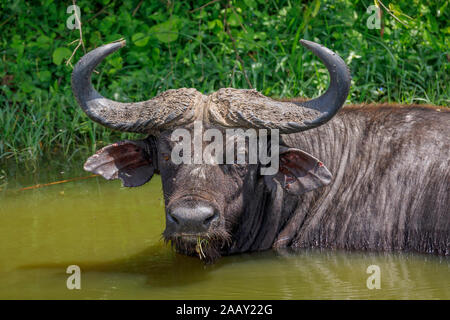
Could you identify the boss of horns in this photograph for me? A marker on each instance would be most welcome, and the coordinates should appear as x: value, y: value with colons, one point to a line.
x: 226, y: 107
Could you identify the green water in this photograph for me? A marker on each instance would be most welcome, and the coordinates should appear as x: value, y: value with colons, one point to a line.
x: 114, y: 235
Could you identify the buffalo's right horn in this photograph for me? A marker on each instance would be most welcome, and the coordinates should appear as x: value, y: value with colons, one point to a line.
x: 251, y: 109
x: 170, y: 108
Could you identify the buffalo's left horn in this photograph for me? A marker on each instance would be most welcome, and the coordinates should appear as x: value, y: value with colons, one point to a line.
x: 251, y: 109
x: 169, y: 108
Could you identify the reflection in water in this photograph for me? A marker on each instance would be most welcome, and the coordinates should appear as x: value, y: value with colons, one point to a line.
x: 114, y: 235
x: 343, y: 274
x: 281, y: 274
x: 160, y: 266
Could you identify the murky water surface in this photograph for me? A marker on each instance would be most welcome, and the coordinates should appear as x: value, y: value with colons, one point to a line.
x: 114, y: 235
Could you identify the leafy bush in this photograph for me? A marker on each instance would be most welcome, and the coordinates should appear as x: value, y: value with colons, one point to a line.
x: 206, y: 45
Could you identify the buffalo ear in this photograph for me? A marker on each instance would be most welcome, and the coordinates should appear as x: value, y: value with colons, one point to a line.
x: 129, y: 161
x: 299, y: 172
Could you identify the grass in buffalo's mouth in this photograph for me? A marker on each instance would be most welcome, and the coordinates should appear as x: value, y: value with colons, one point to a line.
x: 199, y: 247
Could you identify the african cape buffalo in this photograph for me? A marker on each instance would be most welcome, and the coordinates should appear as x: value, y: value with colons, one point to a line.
x: 390, y: 164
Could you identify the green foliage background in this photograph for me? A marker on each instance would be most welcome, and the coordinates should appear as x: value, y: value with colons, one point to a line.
x: 173, y: 44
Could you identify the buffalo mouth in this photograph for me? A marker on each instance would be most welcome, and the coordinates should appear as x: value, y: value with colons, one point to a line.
x: 208, y: 247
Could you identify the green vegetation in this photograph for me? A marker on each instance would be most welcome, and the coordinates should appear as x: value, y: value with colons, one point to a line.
x: 206, y: 45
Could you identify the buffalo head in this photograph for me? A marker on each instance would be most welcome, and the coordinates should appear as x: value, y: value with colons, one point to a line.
x: 205, y: 202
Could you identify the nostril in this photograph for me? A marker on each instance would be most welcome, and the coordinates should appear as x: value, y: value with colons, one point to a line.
x: 172, y: 218
x: 208, y: 220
